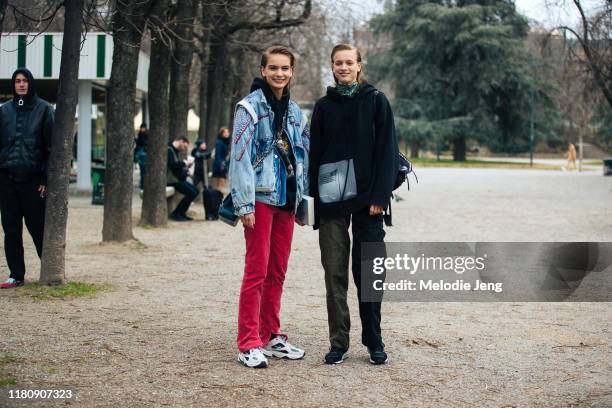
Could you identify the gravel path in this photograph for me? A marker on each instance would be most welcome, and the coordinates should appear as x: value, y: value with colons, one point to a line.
x: 166, y: 335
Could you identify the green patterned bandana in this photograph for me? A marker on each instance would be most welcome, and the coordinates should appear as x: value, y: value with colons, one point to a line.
x: 348, y: 90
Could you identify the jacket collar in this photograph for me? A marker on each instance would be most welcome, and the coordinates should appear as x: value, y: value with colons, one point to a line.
x: 258, y: 100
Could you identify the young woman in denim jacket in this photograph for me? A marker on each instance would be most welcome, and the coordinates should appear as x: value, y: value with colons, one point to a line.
x: 268, y: 178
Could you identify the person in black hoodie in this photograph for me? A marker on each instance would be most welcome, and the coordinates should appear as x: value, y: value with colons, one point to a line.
x: 26, y: 125
x: 200, y: 154
x: 354, y: 163
x: 140, y: 152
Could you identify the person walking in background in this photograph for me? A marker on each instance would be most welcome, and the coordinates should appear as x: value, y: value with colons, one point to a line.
x: 201, y: 154
x: 177, y: 173
x: 221, y: 162
x: 26, y: 125
x: 140, y: 151
x: 268, y: 168
x: 354, y: 163
x: 571, y: 158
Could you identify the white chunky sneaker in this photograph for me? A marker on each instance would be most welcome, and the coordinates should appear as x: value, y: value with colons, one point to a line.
x: 279, y: 347
x: 253, y: 358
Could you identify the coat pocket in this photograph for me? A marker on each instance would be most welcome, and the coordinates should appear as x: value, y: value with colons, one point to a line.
x: 265, y: 178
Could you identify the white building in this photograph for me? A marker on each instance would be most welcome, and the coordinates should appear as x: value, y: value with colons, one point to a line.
x: 41, y: 54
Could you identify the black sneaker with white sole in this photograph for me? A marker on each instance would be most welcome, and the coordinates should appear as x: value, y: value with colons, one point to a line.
x: 336, y: 356
x: 378, y: 356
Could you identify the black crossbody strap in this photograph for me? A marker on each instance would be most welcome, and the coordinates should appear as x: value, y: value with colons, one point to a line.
x: 277, y: 135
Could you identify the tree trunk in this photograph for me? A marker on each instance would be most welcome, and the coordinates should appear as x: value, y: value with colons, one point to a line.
x: 3, y: 4
x: 218, y: 70
x: 128, y: 25
x: 459, y: 149
x: 215, y: 99
x: 207, y: 21
x: 240, y: 86
x: 154, y: 206
x: 181, y: 66
x: 414, y: 148
x: 52, y: 271
x: 203, y: 92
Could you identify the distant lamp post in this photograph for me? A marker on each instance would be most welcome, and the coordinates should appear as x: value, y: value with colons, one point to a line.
x: 531, y: 126
x: 532, y: 65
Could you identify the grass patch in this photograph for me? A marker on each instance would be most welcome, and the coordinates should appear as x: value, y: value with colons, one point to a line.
x: 69, y: 290
x: 7, y: 359
x: 5, y: 379
x: 423, y: 162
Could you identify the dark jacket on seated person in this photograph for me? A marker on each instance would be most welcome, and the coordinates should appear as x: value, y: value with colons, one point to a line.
x: 177, y: 169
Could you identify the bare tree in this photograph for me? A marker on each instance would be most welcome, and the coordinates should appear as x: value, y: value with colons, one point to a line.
x: 227, y: 19
x: 56, y: 212
x: 182, y: 24
x: 128, y: 23
x: 594, y: 35
x: 204, y: 56
x: 3, y: 4
x: 154, y: 207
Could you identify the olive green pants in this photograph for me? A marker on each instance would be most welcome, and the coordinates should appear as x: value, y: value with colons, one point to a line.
x: 335, y: 245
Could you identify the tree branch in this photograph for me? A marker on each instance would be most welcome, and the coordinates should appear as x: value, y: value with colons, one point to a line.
x: 275, y: 24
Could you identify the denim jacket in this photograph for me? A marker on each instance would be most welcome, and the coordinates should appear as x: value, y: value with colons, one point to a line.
x: 252, y: 137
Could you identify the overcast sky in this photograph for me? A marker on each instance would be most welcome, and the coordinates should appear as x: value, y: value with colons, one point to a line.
x: 550, y: 16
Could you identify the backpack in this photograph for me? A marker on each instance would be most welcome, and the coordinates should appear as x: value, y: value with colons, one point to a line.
x: 405, y: 165
x: 404, y: 169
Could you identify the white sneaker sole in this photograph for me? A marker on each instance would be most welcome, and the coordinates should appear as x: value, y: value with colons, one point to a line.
x: 262, y: 364
x: 278, y: 354
x: 344, y: 357
x: 375, y: 363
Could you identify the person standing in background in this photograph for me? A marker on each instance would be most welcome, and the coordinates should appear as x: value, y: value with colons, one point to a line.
x: 571, y: 157
x: 140, y: 152
x: 26, y: 126
x: 201, y: 154
x: 221, y: 162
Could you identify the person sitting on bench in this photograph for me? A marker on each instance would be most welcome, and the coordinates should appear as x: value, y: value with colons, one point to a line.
x: 177, y: 177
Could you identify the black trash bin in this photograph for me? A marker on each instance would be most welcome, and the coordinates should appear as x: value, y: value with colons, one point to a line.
x: 607, y: 166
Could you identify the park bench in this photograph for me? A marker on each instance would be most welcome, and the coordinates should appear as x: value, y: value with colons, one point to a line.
x: 607, y: 166
x: 172, y: 198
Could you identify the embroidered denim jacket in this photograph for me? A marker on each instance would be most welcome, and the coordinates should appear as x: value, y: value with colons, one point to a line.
x: 252, y: 137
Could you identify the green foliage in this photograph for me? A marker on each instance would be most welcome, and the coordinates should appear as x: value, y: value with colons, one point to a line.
x: 460, y: 70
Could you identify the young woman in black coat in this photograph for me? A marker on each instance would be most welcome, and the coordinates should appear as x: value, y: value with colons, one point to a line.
x: 354, y: 163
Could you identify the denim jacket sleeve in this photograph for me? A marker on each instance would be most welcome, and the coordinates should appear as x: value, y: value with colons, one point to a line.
x: 241, y: 174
